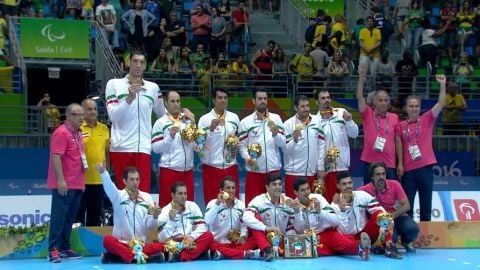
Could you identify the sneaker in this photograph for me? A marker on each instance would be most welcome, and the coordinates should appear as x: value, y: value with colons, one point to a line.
x: 249, y: 254
x: 110, y: 258
x: 267, y: 254
x: 409, y: 248
x: 364, y: 246
x: 156, y: 258
x: 54, y: 256
x: 217, y: 255
x: 70, y: 254
x: 391, y: 251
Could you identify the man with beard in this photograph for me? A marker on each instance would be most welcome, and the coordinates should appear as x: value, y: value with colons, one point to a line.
x: 176, y: 161
x: 352, y: 208
x: 319, y: 218
x: 378, y: 129
x: 218, y: 159
x: 224, y: 216
x: 304, y: 145
x: 337, y: 126
x: 182, y: 221
x: 265, y: 129
x: 390, y: 195
x: 134, y: 213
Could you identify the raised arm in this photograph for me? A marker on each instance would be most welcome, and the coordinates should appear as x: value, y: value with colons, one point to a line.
x: 438, y: 107
x: 362, y: 103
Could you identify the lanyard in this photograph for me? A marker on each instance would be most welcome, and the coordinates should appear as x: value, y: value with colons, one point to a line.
x: 77, y: 136
x: 417, y: 128
x: 377, y: 124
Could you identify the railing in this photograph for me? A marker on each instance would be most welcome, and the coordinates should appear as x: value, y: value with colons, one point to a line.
x: 17, y: 58
x: 293, y: 21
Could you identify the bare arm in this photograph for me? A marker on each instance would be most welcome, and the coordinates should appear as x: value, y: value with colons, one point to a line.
x: 399, y: 151
x: 362, y: 103
x: 438, y: 107
x: 404, y: 207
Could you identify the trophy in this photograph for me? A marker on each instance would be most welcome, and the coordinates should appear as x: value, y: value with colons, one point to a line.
x: 274, y: 240
x: 200, y: 139
x: 231, y: 145
x: 318, y: 186
x: 189, y: 133
x: 331, y: 157
x: 233, y: 235
x: 254, y: 151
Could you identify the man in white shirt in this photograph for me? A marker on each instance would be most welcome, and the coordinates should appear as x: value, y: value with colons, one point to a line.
x: 318, y: 217
x: 352, y: 207
x: 218, y: 160
x: 107, y: 19
x: 134, y: 213
x: 272, y: 212
x: 224, y: 216
x: 337, y: 126
x: 304, y: 145
x: 176, y: 161
x: 130, y: 102
x: 266, y: 129
x: 182, y: 221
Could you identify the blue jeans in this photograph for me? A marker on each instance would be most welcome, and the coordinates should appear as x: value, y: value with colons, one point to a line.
x: 391, y: 173
x: 62, y: 215
x: 420, y: 180
x: 413, y: 38
x: 406, y: 228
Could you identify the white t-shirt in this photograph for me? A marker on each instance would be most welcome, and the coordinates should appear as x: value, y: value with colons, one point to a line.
x: 105, y: 14
x: 427, y: 37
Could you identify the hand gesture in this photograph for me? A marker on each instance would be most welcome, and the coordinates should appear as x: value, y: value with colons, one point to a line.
x: 362, y: 70
x: 251, y: 162
x: 156, y: 212
x: 441, y: 78
x: 297, y: 134
x: 315, y: 204
x: 188, y: 242
x: 347, y: 116
x: 295, y: 205
x: 174, y: 130
x: 214, y: 124
x: 172, y: 214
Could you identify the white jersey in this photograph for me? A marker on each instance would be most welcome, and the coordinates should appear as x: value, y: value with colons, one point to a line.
x: 131, y: 219
x: 176, y: 154
x: 254, y: 130
x: 354, y: 219
x: 215, y: 144
x: 318, y: 221
x: 336, y: 132
x: 221, y: 219
x: 301, y: 158
x: 132, y: 123
x: 189, y: 222
x: 280, y: 216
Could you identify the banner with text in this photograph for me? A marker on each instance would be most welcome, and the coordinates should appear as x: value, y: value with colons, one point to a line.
x: 49, y: 38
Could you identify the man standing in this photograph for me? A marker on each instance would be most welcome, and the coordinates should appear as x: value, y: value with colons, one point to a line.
x: 176, y: 161
x: 106, y: 17
x: 219, y: 161
x: 370, y: 40
x: 378, y: 129
x: 66, y: 179
x: 304, y: 145
x: 318, y: 217
x: 134, y: 213
x: 352, y: 208
x: 304, y: 66
x: 201, y: 26
x: 130, y: 101
x: 175, y: 30
x: 455, y: 105
x: 182, y: 221
x: 390, y: 195
x: 224, y: 215
x: 414, y: 137
x: 337, y: 126
x: 266, y: 129
x: 96, y: 138
x: 272, y: 212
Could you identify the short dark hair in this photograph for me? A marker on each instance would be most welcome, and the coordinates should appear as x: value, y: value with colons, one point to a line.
x: 176, y: 185
x: 300, y: 98
x: 258, y: 89
x: 273, y: 177
x: 299, y: 181
x: 168, y: 94
x: 342, y: 175
x: 215, y: 90
x: 375, y: 165
x: 271, y: 42
x: 225, y: 179
x: 317, y: 92
x: 128, y: 170
x: 136, y: 52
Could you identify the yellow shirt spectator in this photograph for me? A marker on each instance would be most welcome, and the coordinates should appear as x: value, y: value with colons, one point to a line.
x: 305, y: 66
x: 3, y: 30
x: 96, y: 140
x: 320, y: 31
x: 370, y: 38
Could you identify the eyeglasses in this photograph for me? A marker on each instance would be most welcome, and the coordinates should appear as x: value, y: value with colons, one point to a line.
x: 77, y: 114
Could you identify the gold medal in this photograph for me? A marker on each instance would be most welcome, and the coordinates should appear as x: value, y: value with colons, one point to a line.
x: 221, y: 118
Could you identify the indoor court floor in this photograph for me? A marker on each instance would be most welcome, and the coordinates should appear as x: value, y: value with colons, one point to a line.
x: 425, y: 259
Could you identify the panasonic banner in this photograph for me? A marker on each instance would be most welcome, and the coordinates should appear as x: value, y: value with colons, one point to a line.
x: 49, y: 38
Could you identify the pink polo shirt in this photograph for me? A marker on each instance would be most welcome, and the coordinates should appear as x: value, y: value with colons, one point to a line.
x: 389, y: 197
x: 69, y: 147
x: 198, y: 20
x: 386, y: 129
x: 426, y: 124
